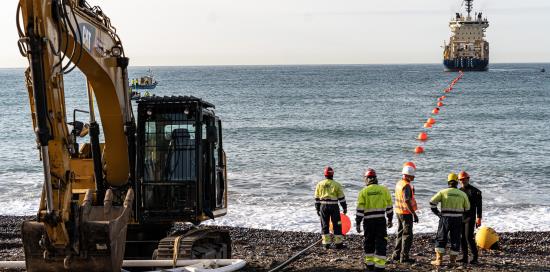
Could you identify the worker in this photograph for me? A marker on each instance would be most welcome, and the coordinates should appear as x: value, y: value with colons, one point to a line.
x: 472, y: 217
x: 453, y: 205
x: 405, y: 208
x: 374, y: 204
x: 328, y: 193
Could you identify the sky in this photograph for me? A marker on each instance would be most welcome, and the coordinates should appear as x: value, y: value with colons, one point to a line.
x: 259, y: 32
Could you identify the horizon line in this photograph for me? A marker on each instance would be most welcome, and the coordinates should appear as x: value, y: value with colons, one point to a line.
x: 306, y: 64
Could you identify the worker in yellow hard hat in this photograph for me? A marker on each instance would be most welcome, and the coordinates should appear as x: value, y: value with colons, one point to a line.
x: 453, y: 205
x: 374, y: 204
x: 328, y: 193
x: 472, y: 217
x: 405, y: 209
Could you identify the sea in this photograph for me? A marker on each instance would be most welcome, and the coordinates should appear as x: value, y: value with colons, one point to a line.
x: 283, y: 124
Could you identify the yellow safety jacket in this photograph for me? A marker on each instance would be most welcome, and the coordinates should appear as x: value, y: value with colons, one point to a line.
x: 453, y: 202
x: 329, y: 192
x: 400, y: 204
x: 374, y: 201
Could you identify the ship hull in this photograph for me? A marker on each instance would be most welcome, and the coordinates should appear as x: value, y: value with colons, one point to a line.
x: 466, y: 64
x: 144, y: 86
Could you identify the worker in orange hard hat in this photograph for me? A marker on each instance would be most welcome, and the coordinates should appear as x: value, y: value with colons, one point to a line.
x: 405, y: 209
x: 328, y: 193
x: 472, y: 217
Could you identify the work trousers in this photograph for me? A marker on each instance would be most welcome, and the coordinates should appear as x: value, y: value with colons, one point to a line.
x: 468, y: 237
x: 404, y: 238
x: 376, y: 241
x: 449, y: 225
x: 331, y: 212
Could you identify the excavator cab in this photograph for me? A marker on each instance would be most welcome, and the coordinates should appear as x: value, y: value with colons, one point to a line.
x: 181, y: 174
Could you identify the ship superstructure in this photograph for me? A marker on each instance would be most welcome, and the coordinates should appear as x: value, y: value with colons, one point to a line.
x: 467, y: 49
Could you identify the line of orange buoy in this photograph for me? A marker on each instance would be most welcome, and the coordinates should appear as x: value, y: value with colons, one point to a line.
x: 423, y: 136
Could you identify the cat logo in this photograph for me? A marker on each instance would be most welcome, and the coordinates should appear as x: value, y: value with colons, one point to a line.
x: 88, y: 35
x: 86, y: 38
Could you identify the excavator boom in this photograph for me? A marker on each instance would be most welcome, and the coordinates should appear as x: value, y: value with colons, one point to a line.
x: 77, y: 219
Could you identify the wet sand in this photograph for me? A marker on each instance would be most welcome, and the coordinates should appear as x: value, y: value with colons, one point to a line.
x: 265, y: 249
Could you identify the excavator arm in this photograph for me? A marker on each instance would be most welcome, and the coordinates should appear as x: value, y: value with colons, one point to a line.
x: 79, y: 217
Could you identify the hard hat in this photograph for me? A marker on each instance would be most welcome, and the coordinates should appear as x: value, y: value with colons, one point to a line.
x: 411, y: 164
x: 408, y: 170
x: 328, y: 171
x: 452, y: 176
x: 370, y: 173
x: 486, y: 238
x: 463, y: 175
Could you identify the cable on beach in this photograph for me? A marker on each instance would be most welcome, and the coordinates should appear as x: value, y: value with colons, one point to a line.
x: 293, y: 258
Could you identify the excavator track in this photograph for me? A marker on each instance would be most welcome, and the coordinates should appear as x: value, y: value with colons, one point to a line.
x: 196, y: 244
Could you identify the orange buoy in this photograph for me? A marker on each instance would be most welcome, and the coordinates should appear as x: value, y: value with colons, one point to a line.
x: 439, y: 98
x: 346, y: 224
x: 431, y: 121
x: 435, y: 111
x: 423, y: 136
x: 419, y: 150
x: 447, y: 90
x: 411, y: 164
x: 440, y: 104
x: 443, y: 97
x: 427, y: 125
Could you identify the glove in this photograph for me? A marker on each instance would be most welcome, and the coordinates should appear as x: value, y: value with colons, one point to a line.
x: 415, y: 218
x: 345, y: 211
x: 478, y: 222
x: 318, y: 213
x: 390, y: 224
x: 358, y: 228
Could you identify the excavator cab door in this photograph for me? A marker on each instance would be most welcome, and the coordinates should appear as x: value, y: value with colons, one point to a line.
x: 179, y: 156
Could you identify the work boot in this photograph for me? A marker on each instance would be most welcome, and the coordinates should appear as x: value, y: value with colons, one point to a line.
x: 395, y: 257
x: 463, y: 260
x: 474, y: 260
x: 452, y: 260
x: 408, y: 260
x: 370, y: 267
x: 340, y: 246
x: 438, y: 259
x: 326, y: 246
x: 379, y: 269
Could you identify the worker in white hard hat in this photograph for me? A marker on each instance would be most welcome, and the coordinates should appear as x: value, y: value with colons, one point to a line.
x: 405, y: 209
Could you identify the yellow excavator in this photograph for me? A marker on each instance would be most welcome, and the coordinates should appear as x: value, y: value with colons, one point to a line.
x: 102, y: 203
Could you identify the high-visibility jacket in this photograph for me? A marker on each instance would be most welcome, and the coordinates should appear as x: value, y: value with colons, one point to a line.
x: 453, y: 202
x: 374, y: 201
x: 400, y: 204
x: 329, y: 192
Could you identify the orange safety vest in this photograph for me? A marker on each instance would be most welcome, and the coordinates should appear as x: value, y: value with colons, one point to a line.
x: 400, y: 204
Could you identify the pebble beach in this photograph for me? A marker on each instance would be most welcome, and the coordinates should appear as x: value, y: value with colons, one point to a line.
x: 265, y: 249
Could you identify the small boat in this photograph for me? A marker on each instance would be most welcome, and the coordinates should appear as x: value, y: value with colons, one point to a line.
x: 145, y: 82
x: 542, y: 70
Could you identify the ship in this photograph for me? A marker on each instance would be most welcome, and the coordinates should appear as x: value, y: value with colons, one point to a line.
x: 146, y: 82
x: 467, y: 49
